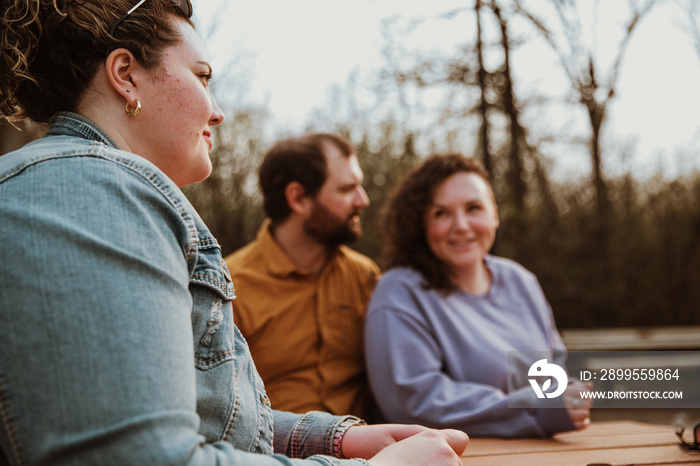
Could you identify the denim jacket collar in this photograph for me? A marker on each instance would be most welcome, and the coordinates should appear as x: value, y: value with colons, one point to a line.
x: 72, y: 124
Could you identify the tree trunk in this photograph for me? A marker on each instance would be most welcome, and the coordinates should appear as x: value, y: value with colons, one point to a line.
x: 515, y: 175
x: 483, y: 85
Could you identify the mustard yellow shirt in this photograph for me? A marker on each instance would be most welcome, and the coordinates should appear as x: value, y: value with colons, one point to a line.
x: 305, y: 330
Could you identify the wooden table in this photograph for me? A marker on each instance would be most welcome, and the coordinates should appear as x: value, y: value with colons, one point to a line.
x: 602, y: 444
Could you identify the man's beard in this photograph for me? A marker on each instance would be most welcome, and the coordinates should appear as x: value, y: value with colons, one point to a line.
x: 330, y: 230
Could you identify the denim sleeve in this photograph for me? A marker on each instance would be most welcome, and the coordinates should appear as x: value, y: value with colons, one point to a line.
x: 301, y: 436
x: 97, y: 361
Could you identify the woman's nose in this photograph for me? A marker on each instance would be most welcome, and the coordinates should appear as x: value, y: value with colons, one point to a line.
x: 217, y: 116
x: 461, y: 221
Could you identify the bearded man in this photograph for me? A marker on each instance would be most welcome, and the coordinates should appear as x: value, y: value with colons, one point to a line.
x: 301, y: 294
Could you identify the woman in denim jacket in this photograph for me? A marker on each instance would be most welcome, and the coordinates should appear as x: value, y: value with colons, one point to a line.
x: 116, y: 332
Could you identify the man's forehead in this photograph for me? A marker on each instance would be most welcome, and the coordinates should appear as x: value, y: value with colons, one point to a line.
x: 345, y: 170
x: 339, y: 164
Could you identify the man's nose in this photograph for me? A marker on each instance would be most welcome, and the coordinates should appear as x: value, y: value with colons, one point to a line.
x: 361, y: 199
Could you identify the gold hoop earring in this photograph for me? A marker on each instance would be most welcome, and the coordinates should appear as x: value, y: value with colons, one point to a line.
x: 134, y: 112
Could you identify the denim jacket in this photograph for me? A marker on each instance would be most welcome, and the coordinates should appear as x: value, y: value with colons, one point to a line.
x: 117, y: 340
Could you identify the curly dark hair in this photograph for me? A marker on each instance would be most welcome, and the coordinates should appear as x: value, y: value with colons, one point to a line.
x: 299, y: 159
x: 50, y: 50
x: 405, y: 242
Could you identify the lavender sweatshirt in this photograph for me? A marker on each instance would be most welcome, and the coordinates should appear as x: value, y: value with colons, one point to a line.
x: 442, y: 360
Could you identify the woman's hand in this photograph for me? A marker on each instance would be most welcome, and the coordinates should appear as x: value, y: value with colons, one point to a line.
x: 388, y: 444
x: 578, y: 407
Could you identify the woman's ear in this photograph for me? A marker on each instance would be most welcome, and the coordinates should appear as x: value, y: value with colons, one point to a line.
x: 123, y: 73
x: 296, y: 196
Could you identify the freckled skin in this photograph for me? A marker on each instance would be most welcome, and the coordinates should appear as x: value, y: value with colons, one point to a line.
x: 178, y: 112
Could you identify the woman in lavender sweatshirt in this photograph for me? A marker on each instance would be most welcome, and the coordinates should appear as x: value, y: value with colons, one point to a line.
x: 446, y: 314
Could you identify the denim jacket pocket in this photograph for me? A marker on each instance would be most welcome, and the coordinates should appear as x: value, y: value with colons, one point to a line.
x: 212, y: 316
x: 230, y: 395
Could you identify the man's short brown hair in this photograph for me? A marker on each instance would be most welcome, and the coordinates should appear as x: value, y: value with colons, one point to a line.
x: 299, y: 159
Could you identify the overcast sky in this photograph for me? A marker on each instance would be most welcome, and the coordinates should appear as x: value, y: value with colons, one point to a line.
x: 292, y: 52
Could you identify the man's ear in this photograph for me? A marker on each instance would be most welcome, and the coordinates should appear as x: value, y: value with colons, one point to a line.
x: 296, y: 196
x: 124, y: 73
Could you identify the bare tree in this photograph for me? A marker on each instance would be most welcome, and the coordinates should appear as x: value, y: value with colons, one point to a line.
x: 470, y: 80
x: 594, y: 87
x: 518, y: 142
x: 691, y: 10
x: 482, y: 77
x: 480, y: 83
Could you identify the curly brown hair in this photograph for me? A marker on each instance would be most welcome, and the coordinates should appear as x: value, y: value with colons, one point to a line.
x: 405, y: 242
x: 50, y: 50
